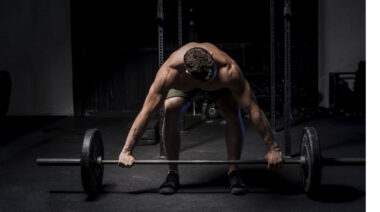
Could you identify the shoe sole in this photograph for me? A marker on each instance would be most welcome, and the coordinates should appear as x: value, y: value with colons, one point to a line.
x: 239, y: 191
x: 167, y: 191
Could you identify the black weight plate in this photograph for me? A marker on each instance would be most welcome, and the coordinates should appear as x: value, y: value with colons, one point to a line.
x: 91, y: 170
x: 212, y: 111
x: 311, y: 170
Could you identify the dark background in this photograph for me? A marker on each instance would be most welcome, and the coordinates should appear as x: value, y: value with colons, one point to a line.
x: 68, y: 66
x: 82, y: 58
x: 115, y: 48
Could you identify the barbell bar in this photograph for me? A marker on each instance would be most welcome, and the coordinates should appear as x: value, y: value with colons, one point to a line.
x: 92, y: 162
x: 76, y: 162
x: 301, y: 160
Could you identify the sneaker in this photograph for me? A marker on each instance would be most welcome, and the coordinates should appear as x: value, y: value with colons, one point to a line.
x: 236, y: 184
x: 171, y: 184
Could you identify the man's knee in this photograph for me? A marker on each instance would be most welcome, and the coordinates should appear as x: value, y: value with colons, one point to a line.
x: 174, y: 106
x: 232, y: 115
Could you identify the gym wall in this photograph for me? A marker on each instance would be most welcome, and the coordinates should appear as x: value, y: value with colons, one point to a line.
x: 35, y: 48
x: 341, y: 40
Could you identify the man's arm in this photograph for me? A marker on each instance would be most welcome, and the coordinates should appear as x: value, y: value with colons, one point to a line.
x: 152, y: 104
x: 243, y: 95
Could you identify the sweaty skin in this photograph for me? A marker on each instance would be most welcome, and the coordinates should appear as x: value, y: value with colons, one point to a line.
x: 172, y: 74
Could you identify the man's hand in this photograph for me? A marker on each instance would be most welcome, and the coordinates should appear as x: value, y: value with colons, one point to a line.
x: 274, y: 158
x: 126, y: 159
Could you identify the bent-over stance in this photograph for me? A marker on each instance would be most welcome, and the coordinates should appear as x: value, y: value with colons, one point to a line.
x: 195, y: 67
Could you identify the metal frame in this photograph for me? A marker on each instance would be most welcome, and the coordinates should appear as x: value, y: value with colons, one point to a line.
x: 272, y: 64
x: 287, y: 80
x: 160, y: 17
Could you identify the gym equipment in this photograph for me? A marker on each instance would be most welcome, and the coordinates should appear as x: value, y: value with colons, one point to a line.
x: 91, y: 170
x: 287, y: 78
x: 161, y: 55
x: 212, y: 111
x: 92, y: 161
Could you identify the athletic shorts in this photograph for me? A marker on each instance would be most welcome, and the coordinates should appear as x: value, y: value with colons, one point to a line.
x: 190, y: 95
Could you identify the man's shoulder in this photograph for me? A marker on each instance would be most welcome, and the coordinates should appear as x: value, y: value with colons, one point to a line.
x: 231, y: 74
x: 169, y: 74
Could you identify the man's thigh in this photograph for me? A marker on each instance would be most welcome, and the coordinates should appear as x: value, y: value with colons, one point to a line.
x: 187, y: 95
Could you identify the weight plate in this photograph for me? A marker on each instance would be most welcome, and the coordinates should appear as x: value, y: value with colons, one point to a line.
x: 311, y: 169
x: 91, y: 170
x: 212, y: 112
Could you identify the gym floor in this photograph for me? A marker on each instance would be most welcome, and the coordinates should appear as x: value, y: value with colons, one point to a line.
x: 27, y: 187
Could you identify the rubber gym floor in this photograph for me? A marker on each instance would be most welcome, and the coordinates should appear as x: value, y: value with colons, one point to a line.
x: 27, y: 187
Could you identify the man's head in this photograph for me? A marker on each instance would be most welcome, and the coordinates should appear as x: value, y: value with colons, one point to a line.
x: 200, y: 64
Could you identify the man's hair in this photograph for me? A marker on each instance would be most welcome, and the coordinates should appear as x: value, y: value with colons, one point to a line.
x: 199, y: 63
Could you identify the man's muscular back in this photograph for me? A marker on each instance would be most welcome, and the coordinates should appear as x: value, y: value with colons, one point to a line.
x: 174, y: 71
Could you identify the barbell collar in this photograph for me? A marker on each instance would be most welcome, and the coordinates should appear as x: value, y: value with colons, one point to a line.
x: 58, y: 161
x: 343, y: 161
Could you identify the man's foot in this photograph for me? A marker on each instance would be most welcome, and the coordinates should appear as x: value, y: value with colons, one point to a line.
x: 236, y: 184
x: 171, y: 184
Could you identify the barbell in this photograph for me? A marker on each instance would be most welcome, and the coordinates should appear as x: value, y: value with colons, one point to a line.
x: 92, y: 161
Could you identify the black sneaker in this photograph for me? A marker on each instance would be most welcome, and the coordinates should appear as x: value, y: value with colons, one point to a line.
x: 236, y: 184
x: 171, y: 184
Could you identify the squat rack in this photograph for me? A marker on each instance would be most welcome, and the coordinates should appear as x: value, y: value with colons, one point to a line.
x: 287, y: 67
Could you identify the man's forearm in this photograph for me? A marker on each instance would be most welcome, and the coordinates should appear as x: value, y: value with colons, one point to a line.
x: 136, y: 131
x: 264, y: 129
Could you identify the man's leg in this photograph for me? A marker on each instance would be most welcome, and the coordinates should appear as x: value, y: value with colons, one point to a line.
x: 234, y: 140
x: 234, y: 128
x: 174, y: 108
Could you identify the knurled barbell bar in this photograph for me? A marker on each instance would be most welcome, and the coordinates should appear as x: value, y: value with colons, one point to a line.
x: 92, y: 161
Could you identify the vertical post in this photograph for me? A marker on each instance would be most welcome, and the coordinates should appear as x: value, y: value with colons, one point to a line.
x: 272, y: 66
x: 191, y: 37
x: 180, y: 41
x: 287, y: 80
x: 160, y: 20
x: 192, y: 31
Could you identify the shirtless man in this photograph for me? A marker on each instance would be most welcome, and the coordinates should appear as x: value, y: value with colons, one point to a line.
x: 195, y: 67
